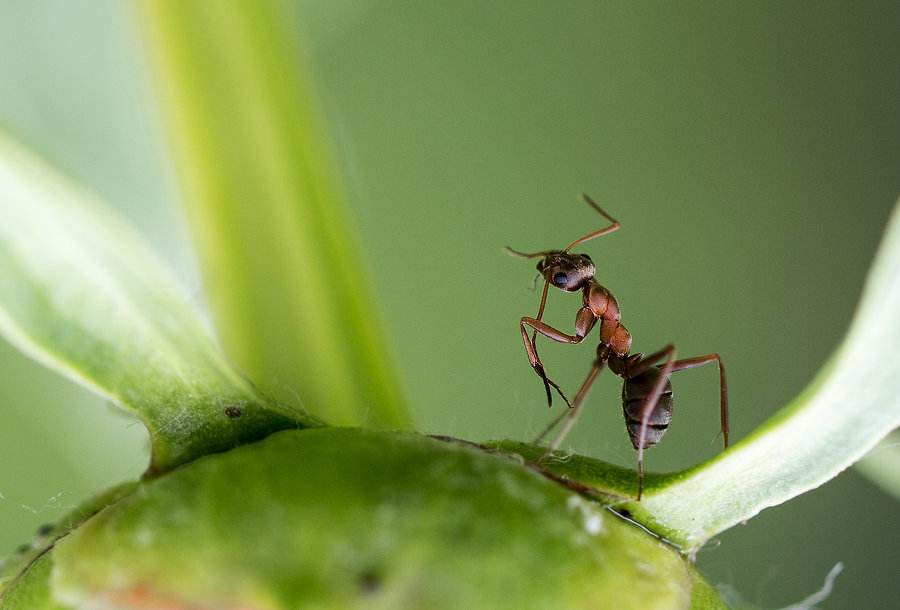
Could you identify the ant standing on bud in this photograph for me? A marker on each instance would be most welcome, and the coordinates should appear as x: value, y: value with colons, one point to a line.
x: 646, y: 391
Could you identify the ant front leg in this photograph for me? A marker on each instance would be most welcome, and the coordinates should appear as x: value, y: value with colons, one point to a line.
x: 584, y: 322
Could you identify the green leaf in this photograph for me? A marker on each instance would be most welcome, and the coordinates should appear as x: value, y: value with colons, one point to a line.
x: 82, y: 294
x: 287, y: 283
x: 363, y: 529
x: 13, y: 567
x: 32, y: 591
x: 849, y: 407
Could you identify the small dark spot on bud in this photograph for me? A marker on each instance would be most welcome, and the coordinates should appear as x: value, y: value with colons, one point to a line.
x: 23, y: 548
x: 369, y: 582
x: 233, y: 412
x: 625, y: 513
x: 45, y: 529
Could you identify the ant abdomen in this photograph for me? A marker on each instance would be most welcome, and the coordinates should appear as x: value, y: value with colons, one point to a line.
x: 634, y: 391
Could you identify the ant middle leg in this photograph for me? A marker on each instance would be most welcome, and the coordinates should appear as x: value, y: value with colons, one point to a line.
x: 571, y: 416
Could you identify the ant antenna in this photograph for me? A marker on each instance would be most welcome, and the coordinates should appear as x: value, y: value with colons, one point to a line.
x: 526, y: 255
x: 614, y: 226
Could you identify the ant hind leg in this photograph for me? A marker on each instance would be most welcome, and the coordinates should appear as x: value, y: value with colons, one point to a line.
x: 650, y: 402
x: 689, y: 363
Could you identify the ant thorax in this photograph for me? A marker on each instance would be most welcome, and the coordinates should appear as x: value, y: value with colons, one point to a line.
x: 567, y: 271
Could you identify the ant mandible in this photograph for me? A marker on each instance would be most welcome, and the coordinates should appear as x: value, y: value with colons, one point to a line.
x: 646, y: 389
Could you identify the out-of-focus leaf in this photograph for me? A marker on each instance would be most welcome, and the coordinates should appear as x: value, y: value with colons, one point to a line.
x: 882, y: 465
x: 82, y: 294
x: 287, y: 284
x: 363, y: 529
x: 852, y: 404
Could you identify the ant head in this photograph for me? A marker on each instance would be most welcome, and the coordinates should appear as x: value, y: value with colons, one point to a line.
x: 567, y: 271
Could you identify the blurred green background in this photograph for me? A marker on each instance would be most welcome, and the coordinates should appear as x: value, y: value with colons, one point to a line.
x: 750, y: 151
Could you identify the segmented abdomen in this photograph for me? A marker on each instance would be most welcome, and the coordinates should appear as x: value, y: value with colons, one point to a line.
x: 634, y: 391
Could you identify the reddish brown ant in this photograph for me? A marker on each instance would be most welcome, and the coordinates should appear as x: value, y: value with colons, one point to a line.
x: 646, y: 390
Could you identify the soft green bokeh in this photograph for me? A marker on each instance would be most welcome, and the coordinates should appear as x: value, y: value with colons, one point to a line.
x: 750, y: 151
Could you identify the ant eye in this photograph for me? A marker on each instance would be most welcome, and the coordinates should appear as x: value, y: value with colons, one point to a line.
x: 587, y: 257
x: 560, y: 279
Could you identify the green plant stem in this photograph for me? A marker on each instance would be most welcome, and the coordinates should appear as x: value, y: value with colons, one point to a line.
x: 285, y: 278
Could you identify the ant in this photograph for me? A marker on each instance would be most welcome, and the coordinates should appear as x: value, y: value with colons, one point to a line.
x: 646, y: 389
